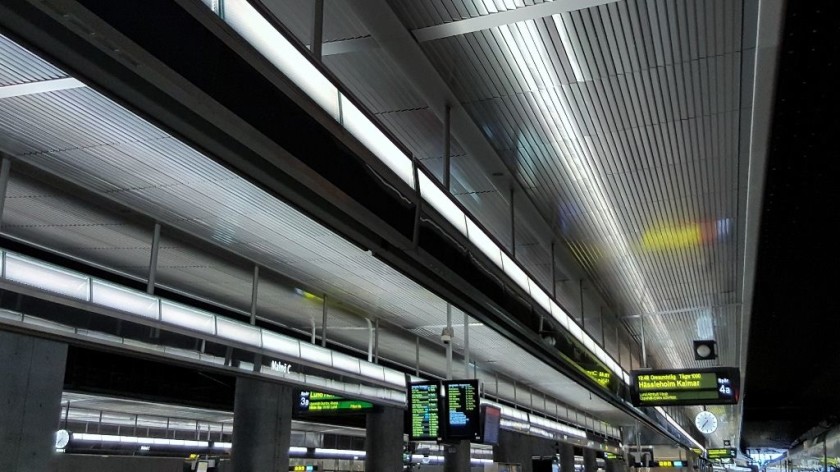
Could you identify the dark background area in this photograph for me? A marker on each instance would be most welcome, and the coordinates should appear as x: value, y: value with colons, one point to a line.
x: 793, y: 365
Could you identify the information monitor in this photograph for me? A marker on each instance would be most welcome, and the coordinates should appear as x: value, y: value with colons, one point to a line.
x: 461, y: 410
x: 424, y: 410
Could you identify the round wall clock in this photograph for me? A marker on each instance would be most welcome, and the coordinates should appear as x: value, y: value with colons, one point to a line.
x: 706, y: 422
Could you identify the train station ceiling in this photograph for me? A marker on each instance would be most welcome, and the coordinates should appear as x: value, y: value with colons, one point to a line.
x: 626, y: 124
x: 625, y: 133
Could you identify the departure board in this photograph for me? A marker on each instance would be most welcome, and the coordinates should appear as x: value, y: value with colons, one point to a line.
x: 327, y: 403
x: 424, y: 407
x: 461, y: 410
x: 685, y: 387
x: 491, y: 421
x: 721, y: 453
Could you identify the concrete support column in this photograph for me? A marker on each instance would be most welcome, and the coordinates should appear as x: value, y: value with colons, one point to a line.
x: 30, y: 400
x: 384, y: 441
x: 589, y: 464
x: 513, y: 448
x: 262, y: 426
x: 567, y: 457
x: 456, y: 457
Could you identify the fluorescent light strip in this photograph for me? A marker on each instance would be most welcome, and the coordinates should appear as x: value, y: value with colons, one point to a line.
x: 107, y: 438
x: 256, y: 30
x: 241, y: 332
x: 269, y: 42
x: 28, y: 271
x: 122, y: 299
x: 376, y: 141
x: 523, y: 420
x: 41, y: 86
x: 185, y: 443
x: 680, y: 428
x: 442, y: 203
x: 421, y: 459
x: 339, y: 453
x: 187, y: 317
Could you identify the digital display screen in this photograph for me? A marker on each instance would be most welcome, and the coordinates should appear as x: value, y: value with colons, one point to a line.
x: 424, y: 408
x: 722, y: 453
x: 491, y: 420
x: 667, y: 464
x: 712, y: 386
x: 320, y: 402
x: 461, y: 410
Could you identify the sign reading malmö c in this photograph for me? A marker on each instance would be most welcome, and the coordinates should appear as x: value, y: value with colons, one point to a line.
x: 708, y: 386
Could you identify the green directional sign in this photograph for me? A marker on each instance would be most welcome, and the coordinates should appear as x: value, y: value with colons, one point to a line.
x: 320, y: 402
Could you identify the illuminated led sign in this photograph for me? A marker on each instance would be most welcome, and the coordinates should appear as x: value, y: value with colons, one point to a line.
x: 668, y: 464
x: 424, y: 411
x: 320, y: 402
x: 722, y: 453
x: 720, y: 385
x: 303, y: 468
x: 461, y: 410
x: 600, y: 377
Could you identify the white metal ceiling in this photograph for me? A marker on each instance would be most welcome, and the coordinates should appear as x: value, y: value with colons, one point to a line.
x: 623, y: 123
x: 83, y: 137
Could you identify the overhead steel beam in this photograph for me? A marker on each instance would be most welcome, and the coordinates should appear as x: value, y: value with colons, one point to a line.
x: 674, y: 312
x: 346, y: 46
x: 531, y: 12
x: 396, y: 41
x: 761, y: 82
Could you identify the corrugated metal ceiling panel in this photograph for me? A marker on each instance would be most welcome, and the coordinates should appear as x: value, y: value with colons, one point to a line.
x: 298, y: 17
x: 18, y: 66
x: 649, y: 131
x: 87, y: 139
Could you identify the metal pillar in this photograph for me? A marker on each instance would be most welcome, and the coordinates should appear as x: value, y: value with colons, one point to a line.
x: 449, y: 344
x: 417, y: 356
x: 466, y: 346
x: 318, y: 30
x: 582, y: 316
x: 603, y: 332
x: 5, y: 172
x: 512, y: 225
x: 553, y: 273
x: 418, y: 208
x: 644, y: 348
x: 324, y: 324
x: 255, y: 283
x: 376, y: 341
x: 370, y: 340
x: 447, y: 154
x: 153, y: 259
